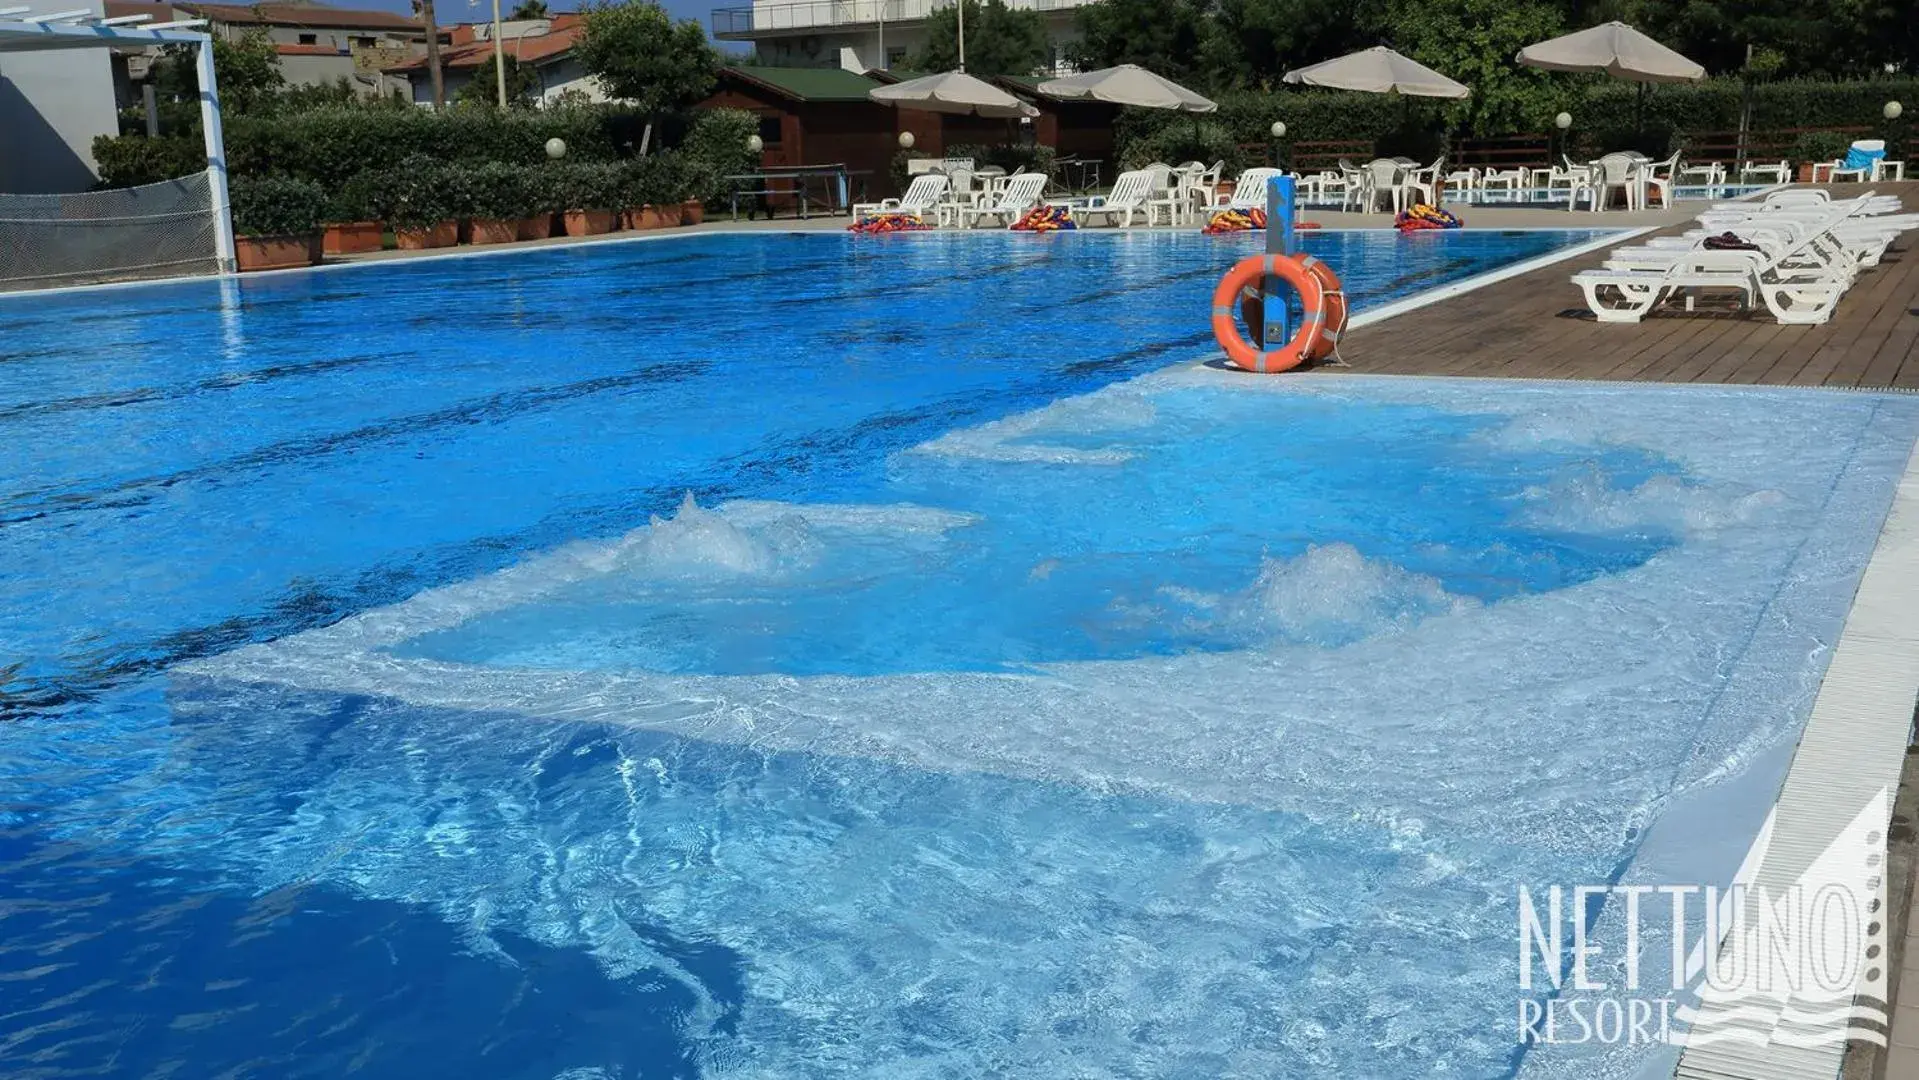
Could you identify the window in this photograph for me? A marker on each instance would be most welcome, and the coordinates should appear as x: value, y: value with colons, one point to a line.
x: 309, y: 39
x: 895, y: 58
x: 770, y: 130
x: 366, y: 43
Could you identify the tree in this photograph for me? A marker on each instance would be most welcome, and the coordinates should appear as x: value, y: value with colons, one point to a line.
x: 529, y: 9
x: 1251, y: 43
x: 247, y: 69
x: 999, y: 40
x: 1160, y: 35
x: 1473, y: 42
x: 639, y: 53
x: 522, y: 84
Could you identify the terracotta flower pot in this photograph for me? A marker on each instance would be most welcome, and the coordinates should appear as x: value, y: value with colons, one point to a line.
x: 495, y: 230
x: 1805, y: 173
x: 590, y: 222
x: 351, y: 237
x: 634, y: 220
x: 445, y: 234
x: 537, y: 227
x: 692, y: 212
x: 276, y: 252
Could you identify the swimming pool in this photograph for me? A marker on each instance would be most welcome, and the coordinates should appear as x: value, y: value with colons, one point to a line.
x: 1000, y: 701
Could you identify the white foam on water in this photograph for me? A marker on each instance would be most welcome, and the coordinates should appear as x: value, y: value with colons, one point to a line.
x: 1332, y: 593
x: 1110, y: 410
x: 1471, y: 747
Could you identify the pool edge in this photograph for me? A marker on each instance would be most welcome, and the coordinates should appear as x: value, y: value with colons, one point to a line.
x: 1853, y: 750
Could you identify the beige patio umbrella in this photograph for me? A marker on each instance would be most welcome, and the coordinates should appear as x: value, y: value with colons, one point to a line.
x: 954, y: 92
x: 1128, y: 84
x: 1379, y: 70
x: 1613, y: 49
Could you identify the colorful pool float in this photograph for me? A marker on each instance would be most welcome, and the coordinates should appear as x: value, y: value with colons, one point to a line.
x: 1044, y: 219
x: 1422, y: 217
x: 879, y: 224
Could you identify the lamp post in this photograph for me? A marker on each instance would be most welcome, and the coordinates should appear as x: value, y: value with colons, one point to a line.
x: 1895, y: 144
x: 1564, y: 122
x: 499, y: 55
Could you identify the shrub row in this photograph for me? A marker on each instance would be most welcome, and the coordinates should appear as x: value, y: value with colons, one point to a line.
x: 331, y: 146
x: 420, y: 192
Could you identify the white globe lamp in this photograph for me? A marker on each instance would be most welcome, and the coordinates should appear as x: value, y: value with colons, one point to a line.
x: 1563, y: 121
x: 556, y: 148
x: 755, y: 143
x: 1279, y: 129
x: 907, y: 140
x: 1893, y: 110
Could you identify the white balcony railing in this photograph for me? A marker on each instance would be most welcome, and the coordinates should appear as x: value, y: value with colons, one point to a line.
x: 830, y: 14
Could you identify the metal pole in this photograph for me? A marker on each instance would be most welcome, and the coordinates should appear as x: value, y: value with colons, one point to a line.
x: 962, y: 35
x: 883, y: 64
x: 150, y: 98
x: 216, y: 155
x: 499, y: 55
x: 1281, y: 240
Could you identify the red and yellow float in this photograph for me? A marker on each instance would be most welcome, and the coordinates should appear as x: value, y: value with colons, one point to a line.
x: 1321, y: 298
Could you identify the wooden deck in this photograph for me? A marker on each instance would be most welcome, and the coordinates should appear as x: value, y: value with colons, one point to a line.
x: 1536, y: 326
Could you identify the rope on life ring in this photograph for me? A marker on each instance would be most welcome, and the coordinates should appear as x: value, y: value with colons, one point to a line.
x: 1321, y: 298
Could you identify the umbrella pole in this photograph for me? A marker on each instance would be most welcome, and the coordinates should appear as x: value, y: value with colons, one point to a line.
x: 1639, y: 119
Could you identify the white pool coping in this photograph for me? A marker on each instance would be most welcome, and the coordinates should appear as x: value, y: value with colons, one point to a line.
x: 1849, y: 759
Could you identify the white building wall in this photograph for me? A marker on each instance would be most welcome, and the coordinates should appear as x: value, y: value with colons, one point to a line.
x: 52, y: 106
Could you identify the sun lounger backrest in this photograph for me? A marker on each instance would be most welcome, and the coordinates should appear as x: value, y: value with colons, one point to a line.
x: 1022, y: 191
x: 1251, y: 188
x: 923, y: 193
x: 1131, y: 189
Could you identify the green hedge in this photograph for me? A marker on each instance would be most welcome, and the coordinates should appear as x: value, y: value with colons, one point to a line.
x: 330, y: 146
x: 131, y: 160
x: 276, y: 206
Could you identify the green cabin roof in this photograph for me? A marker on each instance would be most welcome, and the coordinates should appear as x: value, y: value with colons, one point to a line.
x: 808, y: 84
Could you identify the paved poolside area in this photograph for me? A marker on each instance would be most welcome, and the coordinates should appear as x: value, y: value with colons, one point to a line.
x: 1536, y: 326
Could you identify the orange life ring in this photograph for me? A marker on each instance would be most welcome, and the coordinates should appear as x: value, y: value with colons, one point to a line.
x: 1321, y: 298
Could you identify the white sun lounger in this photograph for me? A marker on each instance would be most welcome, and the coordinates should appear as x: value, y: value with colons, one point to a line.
x: 1800, y: 282
x: 1249, y: 191
x: 1020, y: 194
x: 1132, y: 193
x: 922, y: 197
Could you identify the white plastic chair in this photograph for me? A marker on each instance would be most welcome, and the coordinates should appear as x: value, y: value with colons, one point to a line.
x: 1615, y: 171
x: 1424, y: 185
x: 1659, y: 176
x: 1387, y: 177
x: 1021, y: 193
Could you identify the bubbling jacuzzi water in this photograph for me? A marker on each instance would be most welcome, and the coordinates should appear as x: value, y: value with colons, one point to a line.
x: 1128, y: 735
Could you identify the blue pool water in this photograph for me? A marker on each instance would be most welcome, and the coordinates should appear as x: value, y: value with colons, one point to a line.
x: 798, y: 656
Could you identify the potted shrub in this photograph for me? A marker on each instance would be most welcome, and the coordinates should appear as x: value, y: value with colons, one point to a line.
x: 543, y: 199
x: 422, y: 202
x: 589, y: 195
x: 499, y: 197
x: 637, y: 191
x: 1815, y: 147
x: 351, y: 226
x: 276, y: 221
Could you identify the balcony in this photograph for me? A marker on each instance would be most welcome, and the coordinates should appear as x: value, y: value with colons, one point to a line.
x: 771, y: 20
